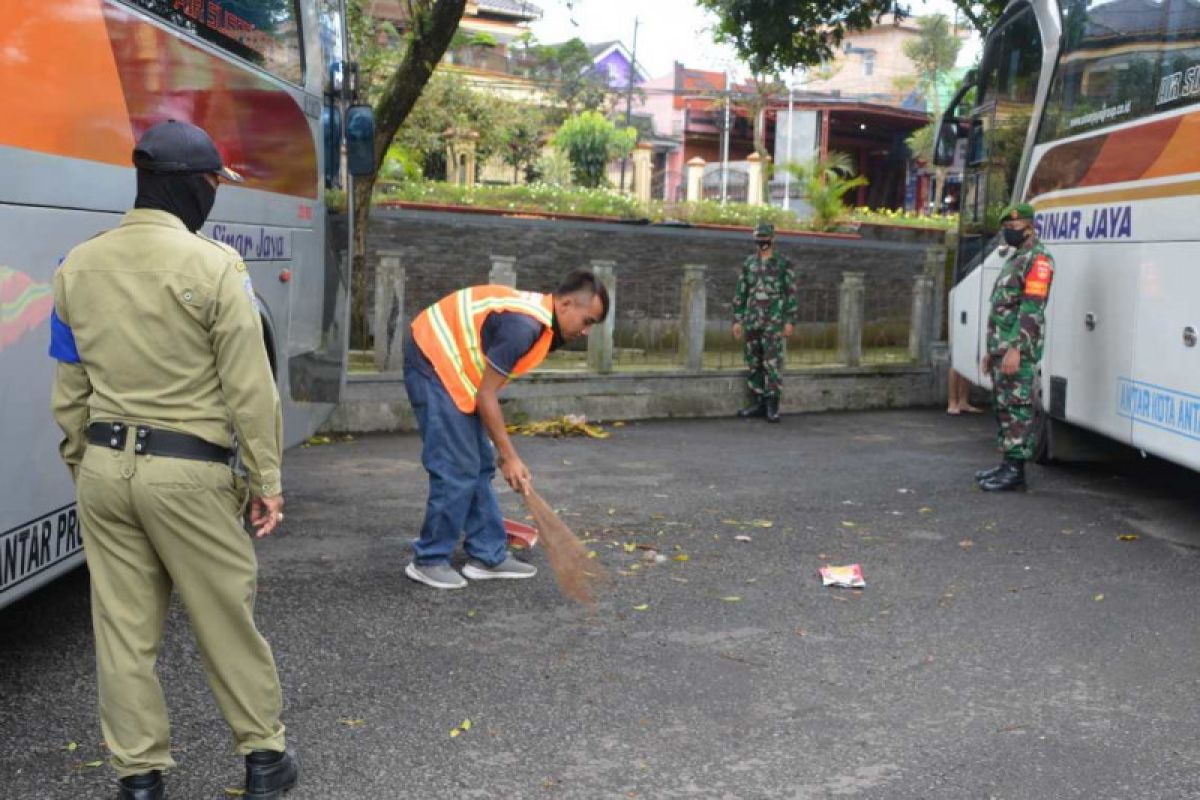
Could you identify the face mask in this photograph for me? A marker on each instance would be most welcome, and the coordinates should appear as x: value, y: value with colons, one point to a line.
x: 189, y: 197
x: 1014, y: 237
x: 764, y: 246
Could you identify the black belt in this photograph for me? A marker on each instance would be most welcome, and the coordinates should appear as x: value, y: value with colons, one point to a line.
x: 157, y: 442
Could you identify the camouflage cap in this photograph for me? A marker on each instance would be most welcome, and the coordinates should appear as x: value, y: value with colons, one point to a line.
x: 1017, y: 211
x: 764, y: 230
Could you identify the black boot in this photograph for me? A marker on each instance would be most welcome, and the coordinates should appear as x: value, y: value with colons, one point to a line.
x: 147, y: 786
x: 757, y: 408
x: 983, y: 474
x: 270, y: 773
x: 772, y: 409
x: 1010, y: 478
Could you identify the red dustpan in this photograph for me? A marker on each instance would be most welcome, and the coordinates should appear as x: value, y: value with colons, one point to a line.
x: 520, y: 534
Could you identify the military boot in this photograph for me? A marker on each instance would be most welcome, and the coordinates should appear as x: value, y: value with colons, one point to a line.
x: 983, y: 474
x: 1010, y: 478
x: 269, y: 774
x: 772, y: 409
x: 147, y: 786
x: 757, y: 408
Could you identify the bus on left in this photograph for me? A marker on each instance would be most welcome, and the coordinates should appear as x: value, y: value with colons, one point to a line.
x: 82, y: 80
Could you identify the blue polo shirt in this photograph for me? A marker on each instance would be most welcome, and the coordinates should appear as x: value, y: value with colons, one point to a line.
x: 506, y: 337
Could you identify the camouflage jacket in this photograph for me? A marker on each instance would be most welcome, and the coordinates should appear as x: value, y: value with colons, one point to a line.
x: 1018, y: 303
x: 765, y: 298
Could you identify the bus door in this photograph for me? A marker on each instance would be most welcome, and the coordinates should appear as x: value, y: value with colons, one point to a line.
x: 1004, y: 104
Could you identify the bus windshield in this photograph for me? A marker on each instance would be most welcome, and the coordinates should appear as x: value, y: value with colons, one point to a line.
x: 1008, y: 80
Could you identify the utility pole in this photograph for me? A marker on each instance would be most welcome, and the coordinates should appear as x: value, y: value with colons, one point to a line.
x: 787, y: 171
x: 629, y: 96
x: 725, y: 145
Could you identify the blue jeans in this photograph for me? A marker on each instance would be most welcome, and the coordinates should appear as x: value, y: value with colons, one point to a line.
x: 461, y: 463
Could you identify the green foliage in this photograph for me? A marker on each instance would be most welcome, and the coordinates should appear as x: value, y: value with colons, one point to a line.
x: 536, y: 198
x: 825, y: 181
x: 553, y: 168
x: 524, y: 134
x: 591, y: 142
x: 571, y: 75
x: 401, y: 164
x: 772, y: 36
x: 450, y: 110
x: 933, y: 54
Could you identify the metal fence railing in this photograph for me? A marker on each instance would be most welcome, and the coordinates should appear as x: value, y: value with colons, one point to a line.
x: 680, y: 320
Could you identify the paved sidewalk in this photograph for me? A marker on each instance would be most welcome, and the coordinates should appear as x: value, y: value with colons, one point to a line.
x: 1005, y: 647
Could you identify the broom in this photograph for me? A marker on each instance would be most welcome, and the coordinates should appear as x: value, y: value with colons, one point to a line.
x: 578, y: 575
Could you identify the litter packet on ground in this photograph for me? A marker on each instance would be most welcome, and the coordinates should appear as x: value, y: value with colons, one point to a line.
x: 848, y: 577
x: 520, y: 534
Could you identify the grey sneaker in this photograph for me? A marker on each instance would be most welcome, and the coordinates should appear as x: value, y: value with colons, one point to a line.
x: 439, y: 576
x: 510, y: 568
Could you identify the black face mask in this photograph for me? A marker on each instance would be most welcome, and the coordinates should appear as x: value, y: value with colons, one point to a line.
x: 762, y: 246
x: 1014, y: 237
x: 189, y: 197
x: 557, y: 341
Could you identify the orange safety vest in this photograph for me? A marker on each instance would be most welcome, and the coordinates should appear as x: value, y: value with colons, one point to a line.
x: 449, y: 334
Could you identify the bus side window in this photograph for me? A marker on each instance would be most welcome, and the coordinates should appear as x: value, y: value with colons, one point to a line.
x: 1108, y: 66
x: 264, y: 32
x: 1179, y: 67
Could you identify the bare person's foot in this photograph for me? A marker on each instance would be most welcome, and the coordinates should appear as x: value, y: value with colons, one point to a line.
x: 953, y: 410
x: 970, y: 409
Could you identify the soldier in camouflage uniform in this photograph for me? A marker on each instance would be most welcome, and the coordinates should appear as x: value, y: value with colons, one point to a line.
x: 764, y: 312
x: 1016, y: 333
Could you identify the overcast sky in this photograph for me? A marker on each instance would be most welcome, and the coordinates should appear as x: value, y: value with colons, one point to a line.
x: 671, y: 30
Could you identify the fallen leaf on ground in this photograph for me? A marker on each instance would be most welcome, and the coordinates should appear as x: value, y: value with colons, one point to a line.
x: 1098, y: 598
x: 630, y: 546
x: 733, y: 598
x: 924, y: 510
x: 742, y: 538
x: 641, y: 607
x: 568, y: 425
x: 618, y: 424
x: 352, y: 723
x: 93, y: 764
x: 1128, y: 537
x: 846, y: 524
x: 72, y: 747
x: 681, y: 557
x: 966, y: 544
x: 461, y: 729
x: 233, y: 791
x: 317, y: 441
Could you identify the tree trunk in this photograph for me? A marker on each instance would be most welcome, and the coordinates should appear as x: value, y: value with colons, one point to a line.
x: 432, y: 27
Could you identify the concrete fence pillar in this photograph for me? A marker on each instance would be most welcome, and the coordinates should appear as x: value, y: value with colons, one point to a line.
x: 693, y: 317
x: 920, y: 331
x: 851, y: 302
x: 695, y: 180
x: 504, y: 271
x: 754, y: 188
x: 389, y: 312
x: 642, y: 167
x: 935, y: 268
x: 600, y: 342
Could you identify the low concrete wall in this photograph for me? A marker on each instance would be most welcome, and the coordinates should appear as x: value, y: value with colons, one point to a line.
x: 377, y: 403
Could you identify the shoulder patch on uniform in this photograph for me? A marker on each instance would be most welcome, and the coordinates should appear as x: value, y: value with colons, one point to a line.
x: 249, y: 287
x: 240, y: 266
x: 1039, y: 276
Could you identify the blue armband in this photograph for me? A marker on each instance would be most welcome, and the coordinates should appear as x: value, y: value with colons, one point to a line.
x: 62, y: 341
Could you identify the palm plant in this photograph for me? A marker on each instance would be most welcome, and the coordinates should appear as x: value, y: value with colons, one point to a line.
x: 825, y: 181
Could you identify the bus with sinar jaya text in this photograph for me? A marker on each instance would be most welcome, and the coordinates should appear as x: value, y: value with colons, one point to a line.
x: 82, y: 79
x: 1090, y: 110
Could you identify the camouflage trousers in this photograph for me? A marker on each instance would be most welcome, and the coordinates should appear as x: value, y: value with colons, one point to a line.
x: 763, y: 351
x: 1013, y: 402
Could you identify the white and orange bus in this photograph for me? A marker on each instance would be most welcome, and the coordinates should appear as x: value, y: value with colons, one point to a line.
x: 82, y: 79
x: 1090, y: 110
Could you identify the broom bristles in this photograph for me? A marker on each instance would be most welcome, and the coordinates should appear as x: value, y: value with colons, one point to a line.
x: 577, y: 573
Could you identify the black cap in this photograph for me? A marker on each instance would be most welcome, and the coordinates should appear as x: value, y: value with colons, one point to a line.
x: 180, y: 148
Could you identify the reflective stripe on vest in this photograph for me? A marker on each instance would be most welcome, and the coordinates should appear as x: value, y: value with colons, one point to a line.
x: 450, y: 331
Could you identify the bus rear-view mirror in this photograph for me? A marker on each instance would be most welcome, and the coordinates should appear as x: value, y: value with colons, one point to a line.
x: 946, y: 144
x: 360, y: 139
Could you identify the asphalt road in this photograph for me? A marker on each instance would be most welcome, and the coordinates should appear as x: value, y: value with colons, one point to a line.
x: 1005, y: 646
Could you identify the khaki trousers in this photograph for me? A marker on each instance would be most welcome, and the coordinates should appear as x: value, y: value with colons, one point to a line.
x: 151, y: 524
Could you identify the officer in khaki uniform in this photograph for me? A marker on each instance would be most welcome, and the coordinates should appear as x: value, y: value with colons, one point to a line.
x: 161, y: 366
